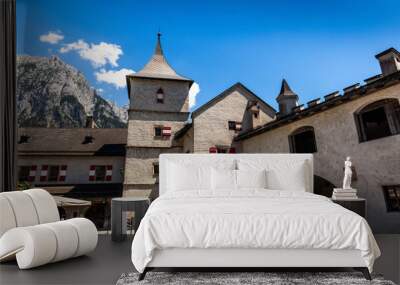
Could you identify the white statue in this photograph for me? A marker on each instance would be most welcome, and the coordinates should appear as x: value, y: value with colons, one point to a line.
x: 347, y: 174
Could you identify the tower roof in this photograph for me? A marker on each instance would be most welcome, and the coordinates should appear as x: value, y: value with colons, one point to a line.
x: 285, y: 91
x: 158, y: 66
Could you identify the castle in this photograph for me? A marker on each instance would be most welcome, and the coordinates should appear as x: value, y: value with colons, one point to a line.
x: 363, y: 122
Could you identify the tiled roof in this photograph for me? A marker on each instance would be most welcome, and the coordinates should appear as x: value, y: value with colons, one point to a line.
x: 158, y: 67
x: 84, y: 141
x: 183, y: 131
x: 332, y: 100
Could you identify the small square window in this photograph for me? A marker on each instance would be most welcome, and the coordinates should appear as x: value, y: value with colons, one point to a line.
x: 235, y: 126
x: 158, y: 131
x: 232, y: 125
x: 160, y: 96
x: 23, y: 174
x: 54, y: 171
x: 156, y: 168
x: 100, y: 173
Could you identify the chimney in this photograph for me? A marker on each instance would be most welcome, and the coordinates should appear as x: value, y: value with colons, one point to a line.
x: 389, y: 61
x: 286, y: 99
x: 90, y: 123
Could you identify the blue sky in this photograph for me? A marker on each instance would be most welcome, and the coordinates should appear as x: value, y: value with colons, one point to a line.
x: 318, y: 46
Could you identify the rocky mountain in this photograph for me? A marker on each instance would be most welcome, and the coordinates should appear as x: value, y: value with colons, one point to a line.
x: 51, y: 93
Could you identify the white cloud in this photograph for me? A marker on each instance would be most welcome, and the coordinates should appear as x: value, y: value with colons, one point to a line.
x: 51, y: 37
x: 98, y: 54
x: 99, y: 90
x: 114, y: 77
x: 194, y: 90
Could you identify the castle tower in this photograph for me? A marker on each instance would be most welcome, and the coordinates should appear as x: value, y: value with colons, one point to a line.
x: 286, y: 99
x: 159, y: 107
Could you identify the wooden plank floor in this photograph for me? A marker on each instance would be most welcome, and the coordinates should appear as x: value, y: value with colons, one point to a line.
x: 110, y: 260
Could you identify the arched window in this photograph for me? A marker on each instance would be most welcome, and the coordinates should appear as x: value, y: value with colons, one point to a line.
x: 160, y: 95
x: 379, y: 119
x: 302, y: 140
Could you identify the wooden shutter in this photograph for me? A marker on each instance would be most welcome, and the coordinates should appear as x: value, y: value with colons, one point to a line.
x: 109, y: 172
x: 44, y: 172
x: 92, y: 173
x: 212, y: 149
x: 166, y: 131
x: 63, y: 173
x: 32, y: 173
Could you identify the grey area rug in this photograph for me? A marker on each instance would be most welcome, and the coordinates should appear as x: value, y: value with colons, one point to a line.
x: 269, y: 278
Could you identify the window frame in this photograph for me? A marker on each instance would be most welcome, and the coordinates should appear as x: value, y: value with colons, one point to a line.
x: 158, y: 127
x: 298, y: 131
x: 49, y: 170
x: 232, y: 126
x: 391, y: 109
x: 96, y: 176
x: 156, y: 169
x: 160, y: 100
x: 19, y: 173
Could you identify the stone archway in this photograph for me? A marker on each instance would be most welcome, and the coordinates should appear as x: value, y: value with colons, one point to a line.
x: 322, y: 186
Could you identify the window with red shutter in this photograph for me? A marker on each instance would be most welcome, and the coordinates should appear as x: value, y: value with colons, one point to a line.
x: 166, y: 132
x: 212, y: 149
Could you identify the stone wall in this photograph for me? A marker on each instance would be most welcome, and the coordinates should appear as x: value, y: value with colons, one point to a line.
x: 77, y: 167
x: 141, y: 133
x: 139, y: 177
x: 377, y: 162
x: 144, y: 94
x: 211, y: 125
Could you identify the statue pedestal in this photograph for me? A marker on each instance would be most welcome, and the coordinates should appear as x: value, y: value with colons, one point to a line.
x: 344, y: 190
x: 344, y: 194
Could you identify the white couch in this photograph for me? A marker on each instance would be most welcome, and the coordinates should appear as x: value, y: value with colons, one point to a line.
x: 31, y: 230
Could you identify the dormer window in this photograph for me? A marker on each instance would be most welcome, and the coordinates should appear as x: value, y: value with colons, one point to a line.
x: 160, y: 96
x: 88, y: 140
x: 23, y: 139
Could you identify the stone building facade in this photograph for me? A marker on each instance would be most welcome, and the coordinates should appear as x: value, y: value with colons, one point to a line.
x: 216, y: 123
x: 159, y: 98
x: 363, y: 122
x: 83, y: 163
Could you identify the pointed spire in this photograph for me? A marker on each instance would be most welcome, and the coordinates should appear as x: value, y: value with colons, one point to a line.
x: 158, y: 67
x: 287, y: 99
x: 285, y: 90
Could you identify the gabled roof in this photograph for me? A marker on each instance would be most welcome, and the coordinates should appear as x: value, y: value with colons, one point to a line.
x: 285, y: 91
x: 158, y: 66
x: 237, y: 86
x: 74, y: 141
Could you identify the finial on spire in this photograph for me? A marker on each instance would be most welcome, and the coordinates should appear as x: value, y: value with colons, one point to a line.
x: 158, y: 46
